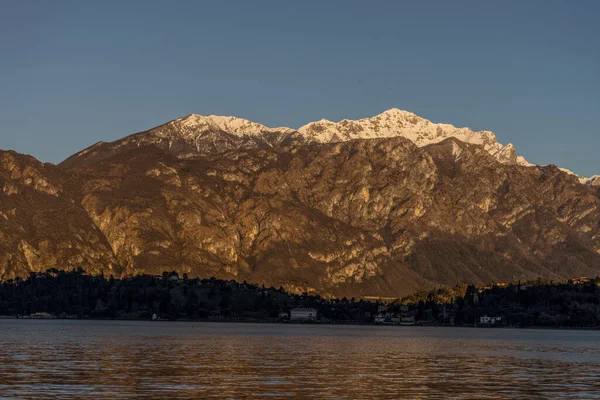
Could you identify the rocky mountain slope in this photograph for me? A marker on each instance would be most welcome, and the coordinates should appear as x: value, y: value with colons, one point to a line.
x: 317, y: 209
x: 192, y: 137
x: 41, y: 224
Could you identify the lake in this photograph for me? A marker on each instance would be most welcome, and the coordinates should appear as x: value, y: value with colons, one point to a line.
x: 115, y: 359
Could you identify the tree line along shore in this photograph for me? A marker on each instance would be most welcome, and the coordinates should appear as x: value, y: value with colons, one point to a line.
x: 76, y: 295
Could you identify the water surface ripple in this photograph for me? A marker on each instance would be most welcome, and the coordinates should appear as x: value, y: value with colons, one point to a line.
x: 113, y: 359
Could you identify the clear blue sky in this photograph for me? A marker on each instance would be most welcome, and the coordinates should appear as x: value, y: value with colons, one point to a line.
x: 76, y: 72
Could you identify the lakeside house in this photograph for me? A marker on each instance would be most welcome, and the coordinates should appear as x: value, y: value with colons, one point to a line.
x: 303, y: 314
x: 380, y: 318
x: 41, y: 315
x: 283, y: 315
x: 485, y: 320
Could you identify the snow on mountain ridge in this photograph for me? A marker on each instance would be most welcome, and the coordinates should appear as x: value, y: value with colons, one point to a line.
x: 422, y: 132
x: 391, y: 123
x: 233, y: 125
x: 591, y: 181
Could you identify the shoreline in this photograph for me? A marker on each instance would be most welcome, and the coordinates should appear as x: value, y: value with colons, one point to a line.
x: 355, y: 323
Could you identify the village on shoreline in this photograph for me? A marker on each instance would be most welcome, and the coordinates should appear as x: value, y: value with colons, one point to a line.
x: 74, y: 295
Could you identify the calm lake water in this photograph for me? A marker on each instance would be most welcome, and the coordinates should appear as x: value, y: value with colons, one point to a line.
x: 111, y: 359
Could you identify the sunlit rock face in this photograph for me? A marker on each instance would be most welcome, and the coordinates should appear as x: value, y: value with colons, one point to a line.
x: 42, y: 225
x: 347, y: 209
x: 192, y: 137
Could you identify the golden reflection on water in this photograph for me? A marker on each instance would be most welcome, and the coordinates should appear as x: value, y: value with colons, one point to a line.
x: 111, y: 359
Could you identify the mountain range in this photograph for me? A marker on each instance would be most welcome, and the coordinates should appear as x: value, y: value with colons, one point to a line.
x: 381, y: 206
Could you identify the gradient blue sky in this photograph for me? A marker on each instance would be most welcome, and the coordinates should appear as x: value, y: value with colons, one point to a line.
x: 76, y: 72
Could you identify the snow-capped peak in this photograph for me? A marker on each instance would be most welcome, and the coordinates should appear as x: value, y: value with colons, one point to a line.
x: 422, y: 132
x: 232, y: 125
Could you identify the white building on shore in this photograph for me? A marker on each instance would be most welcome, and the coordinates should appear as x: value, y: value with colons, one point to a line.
x: 303, y: 314
x: 485, y: 320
